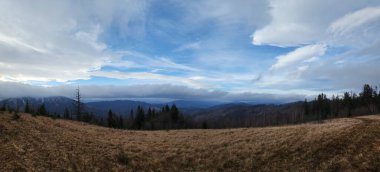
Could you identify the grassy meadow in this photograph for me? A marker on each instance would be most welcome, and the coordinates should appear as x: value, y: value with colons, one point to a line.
x: 44, y: 144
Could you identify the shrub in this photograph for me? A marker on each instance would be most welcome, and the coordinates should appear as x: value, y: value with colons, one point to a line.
x: 3, y: 108
x: 15, y: 116
x: 122, y: 158
x: 204, y: 125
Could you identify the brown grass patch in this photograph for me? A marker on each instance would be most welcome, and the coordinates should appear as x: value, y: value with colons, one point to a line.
x: 43, y: 144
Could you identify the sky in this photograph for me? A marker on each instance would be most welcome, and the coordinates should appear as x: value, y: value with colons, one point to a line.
x: 240, y: 50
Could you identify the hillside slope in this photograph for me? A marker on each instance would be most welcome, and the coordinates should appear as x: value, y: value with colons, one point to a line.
x: 43, y: 144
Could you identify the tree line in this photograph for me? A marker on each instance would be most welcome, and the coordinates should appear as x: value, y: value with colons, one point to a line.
x: 153, y: 119
x: 41, y: 110
x: 322, y: 107
x: 167, y: 117
x: 349, y: 104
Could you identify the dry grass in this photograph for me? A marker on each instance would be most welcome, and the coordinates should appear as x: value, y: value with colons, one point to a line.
x: 43, y: 144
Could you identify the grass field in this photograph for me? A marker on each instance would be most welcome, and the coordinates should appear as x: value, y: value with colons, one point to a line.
x: 44, y: 144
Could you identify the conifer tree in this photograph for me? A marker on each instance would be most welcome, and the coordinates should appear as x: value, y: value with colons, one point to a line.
x: 27, y: 107
x: 167, y: 108
x: 66, y: 113
x: 153, y: 113
x: 306, y: 107
x: 348, y: 103
x: 131, y: 114
x: 110, y: 119
x: 367, y: 97
x: 174, y: 113
x: 149, y: 114
x: 140, y: 118
x: 42, y: 110
x: 121, y: 122
x: 3, y: 108
x: 204, y: 125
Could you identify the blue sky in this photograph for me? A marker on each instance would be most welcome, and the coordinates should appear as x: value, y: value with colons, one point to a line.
x: 174, y: 49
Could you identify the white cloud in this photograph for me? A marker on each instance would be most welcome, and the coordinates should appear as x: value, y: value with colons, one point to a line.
x: 302, y: 54
x: 353, y: 20
x: 336, y: 44
x: 350, y: 75
x: 358, y: 29
x: 226, y: 12
x: 189, y: 46
x: 58, y: 40
x: 299, y: 22
x: 132, y: 59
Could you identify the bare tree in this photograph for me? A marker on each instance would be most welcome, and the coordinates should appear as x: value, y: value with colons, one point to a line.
x: 78, y: 103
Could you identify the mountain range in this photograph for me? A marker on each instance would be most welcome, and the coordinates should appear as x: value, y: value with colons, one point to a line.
x: 211, y: 111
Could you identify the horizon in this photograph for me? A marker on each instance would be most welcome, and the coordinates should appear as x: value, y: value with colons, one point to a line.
x: 260, y: 50
x: 155, y: 101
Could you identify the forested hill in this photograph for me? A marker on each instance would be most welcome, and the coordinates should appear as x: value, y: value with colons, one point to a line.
x: 141, y: 115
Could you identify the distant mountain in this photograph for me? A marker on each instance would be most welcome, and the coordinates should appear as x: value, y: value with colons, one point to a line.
x: 194, y: 104
x: 232, y: 104
x: 53, y: 104
x: 58, y: 104
x: 240, y: 114
x: 220, y: 115
x: 120, y: 107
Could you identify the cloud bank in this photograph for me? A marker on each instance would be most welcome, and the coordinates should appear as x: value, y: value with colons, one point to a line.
x: 165, y: 91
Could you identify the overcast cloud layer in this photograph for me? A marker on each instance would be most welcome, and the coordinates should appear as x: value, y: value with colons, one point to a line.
x: 206, y: 49
x: 154, y: 92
